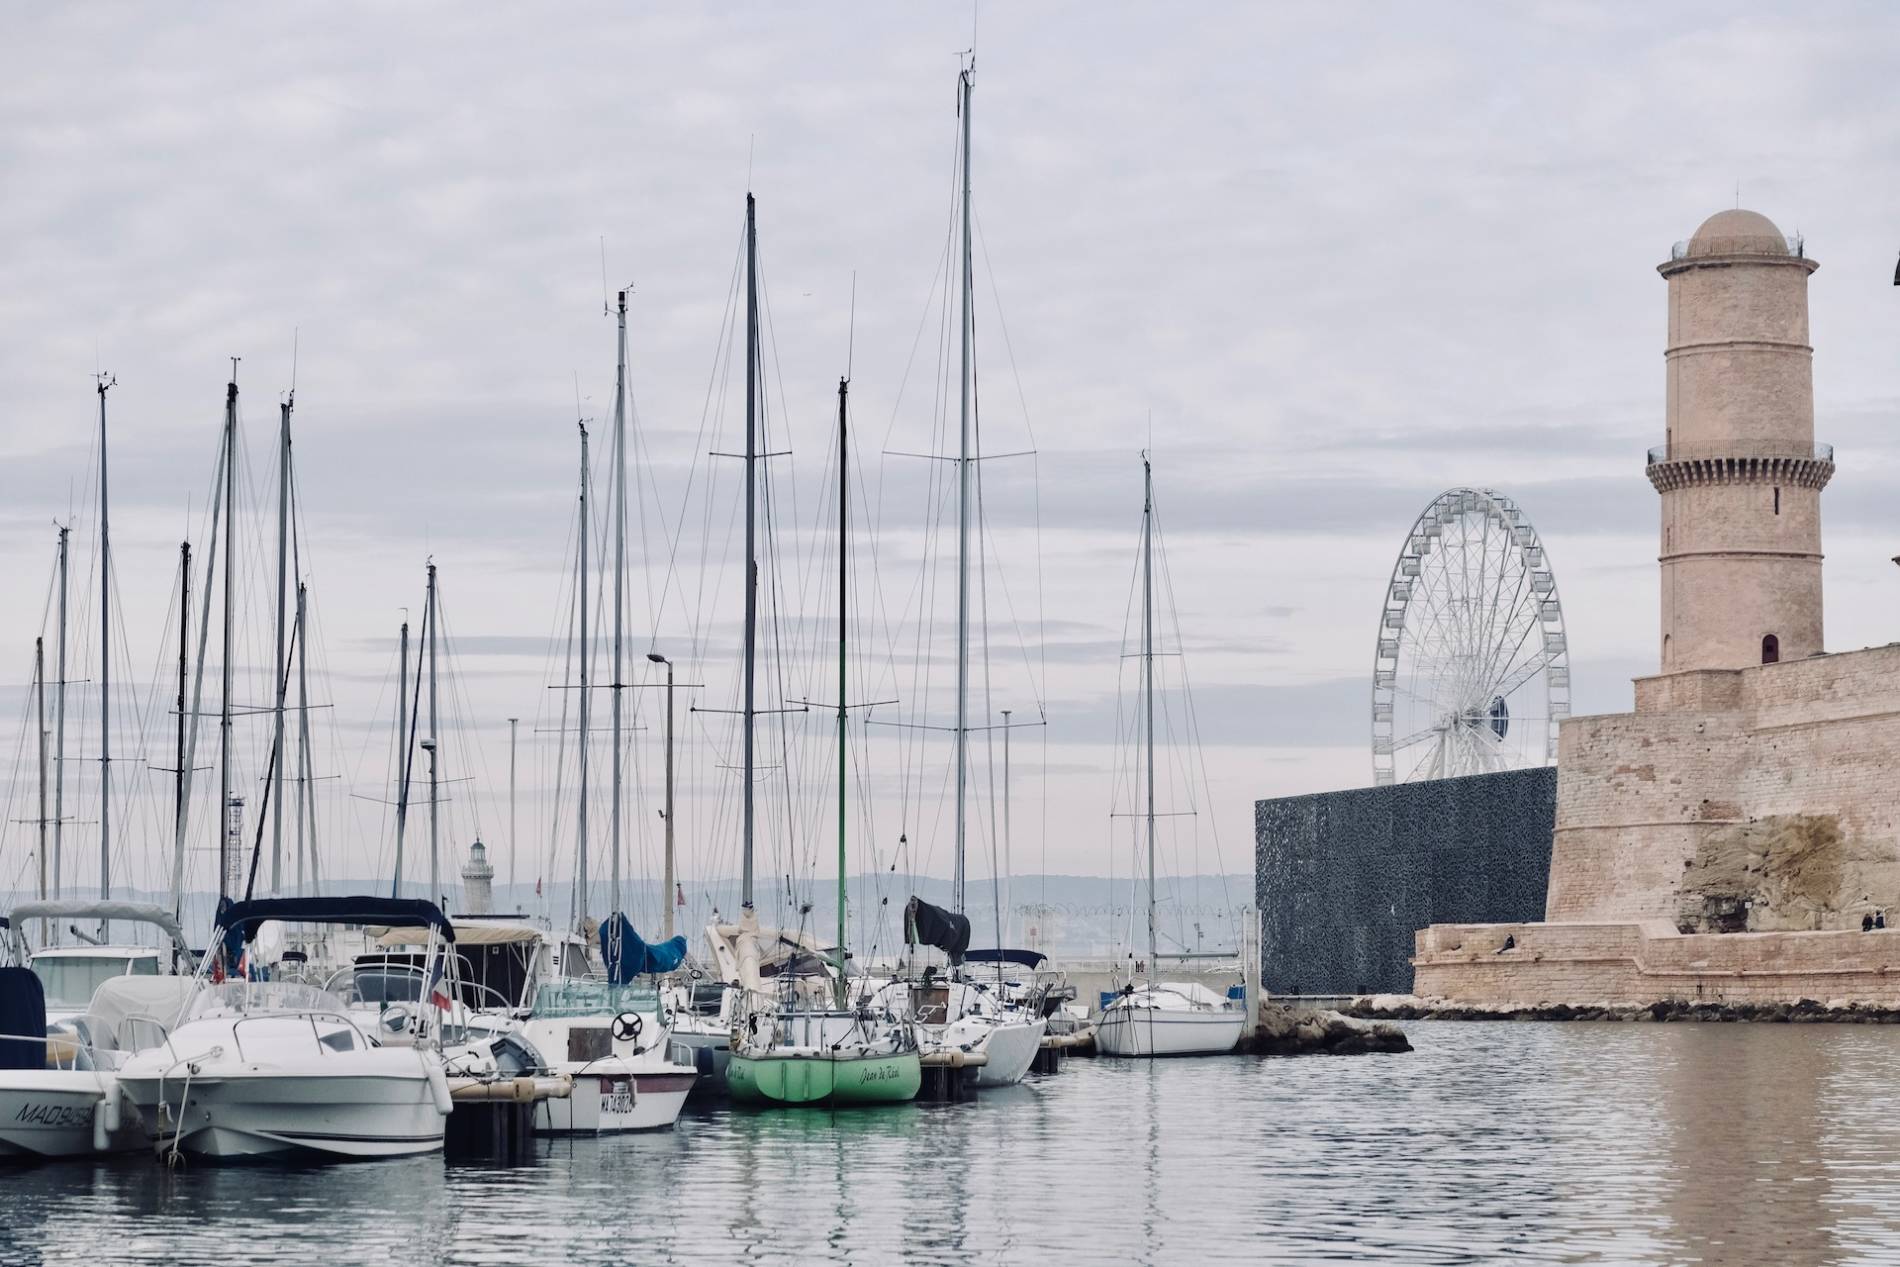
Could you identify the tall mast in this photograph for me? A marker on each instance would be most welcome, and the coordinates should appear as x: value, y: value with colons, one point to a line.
x: 180, y: 793
x: 1009, y: 869
x: 429, y: 622
x: 226, y: 856
x: 514, y: 726
x: 59, y: 723
x: 751, y: 526
x: 39, y: 704
x: 963, y: 511
x: 306, y: 795
x: 669, y: 879
x: 402, y: 755
x: 1148, y: 680
x: 844, y: 574
x: 620, y: 583
x: 197, y: 705
x: 580, y: 891
x: 105, y: 667
x: 278, y: 667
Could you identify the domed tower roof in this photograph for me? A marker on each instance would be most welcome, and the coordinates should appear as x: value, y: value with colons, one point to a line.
x: 1738, y: 232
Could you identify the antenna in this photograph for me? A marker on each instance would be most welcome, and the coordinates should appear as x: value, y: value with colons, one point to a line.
x: 605, y: 304
x: 295, y: 331
x: 750, y: 143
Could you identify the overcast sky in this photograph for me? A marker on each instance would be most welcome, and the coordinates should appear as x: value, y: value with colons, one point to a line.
x: 1325, y: 261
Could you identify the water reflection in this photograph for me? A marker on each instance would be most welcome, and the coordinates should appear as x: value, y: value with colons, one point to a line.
x: 1625, y: 1143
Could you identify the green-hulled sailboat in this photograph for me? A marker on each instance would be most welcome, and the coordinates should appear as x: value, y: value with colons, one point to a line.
x: 794, y: 1044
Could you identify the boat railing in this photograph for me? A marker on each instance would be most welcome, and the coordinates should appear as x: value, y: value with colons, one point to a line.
x: 359, y: 1043
x: 64, y: 1052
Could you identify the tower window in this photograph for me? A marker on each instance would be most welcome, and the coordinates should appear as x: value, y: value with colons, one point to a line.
x: 1777, y: 499
x: 1770, y: 649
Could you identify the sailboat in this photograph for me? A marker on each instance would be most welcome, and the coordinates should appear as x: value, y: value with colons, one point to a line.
x: 962, y: 1021
x: 802, y: 1041
x: 1154, y: 1018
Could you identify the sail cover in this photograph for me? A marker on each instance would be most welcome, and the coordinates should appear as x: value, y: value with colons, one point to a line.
x: 22, y: 1016
x: 933, y: 926
x: 627, y: 955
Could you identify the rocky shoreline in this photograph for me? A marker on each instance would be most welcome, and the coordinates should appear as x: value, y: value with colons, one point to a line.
x: 1285, y: 1029
x: 1803, y: 1011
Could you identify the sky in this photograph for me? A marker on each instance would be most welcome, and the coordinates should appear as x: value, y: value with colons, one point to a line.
x: 1322, y: 262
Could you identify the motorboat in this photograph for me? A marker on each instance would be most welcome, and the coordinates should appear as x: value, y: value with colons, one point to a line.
x: 1178, y: 1018
x: 518, y: 1014
x: 59, y: 1088
x: 279, y: 1069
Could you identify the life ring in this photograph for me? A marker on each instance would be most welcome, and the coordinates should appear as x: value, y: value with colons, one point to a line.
x: 626, y: 1027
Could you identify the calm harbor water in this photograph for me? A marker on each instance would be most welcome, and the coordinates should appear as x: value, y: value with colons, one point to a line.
x: 1634, y: 1143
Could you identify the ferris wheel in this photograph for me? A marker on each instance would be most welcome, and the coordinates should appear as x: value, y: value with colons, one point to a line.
x: 1472, y: 672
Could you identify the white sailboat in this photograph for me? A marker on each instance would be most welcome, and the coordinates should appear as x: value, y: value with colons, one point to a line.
x: 1154, y: 1018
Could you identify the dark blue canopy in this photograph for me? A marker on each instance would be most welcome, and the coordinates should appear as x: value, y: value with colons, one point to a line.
x: 1026, y: 958
x: 628, y: 956
x: 242, y: 918
x: 22, y: 1016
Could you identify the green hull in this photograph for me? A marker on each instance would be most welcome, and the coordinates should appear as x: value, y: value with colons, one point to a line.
x: 821, y: 1080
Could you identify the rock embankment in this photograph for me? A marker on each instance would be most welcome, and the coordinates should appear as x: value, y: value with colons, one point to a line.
x: 1289, y: 1030
x: 1403, y: 1007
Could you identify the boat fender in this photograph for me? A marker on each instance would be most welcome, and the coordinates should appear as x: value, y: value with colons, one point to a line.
x: 438, y: 1083
x: 105, y: 1122
x: 627, y: 1026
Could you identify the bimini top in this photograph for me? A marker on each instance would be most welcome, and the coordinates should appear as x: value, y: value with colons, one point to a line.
x: 82, y: 908
x: 387, y: 911
x: 1024, y: 958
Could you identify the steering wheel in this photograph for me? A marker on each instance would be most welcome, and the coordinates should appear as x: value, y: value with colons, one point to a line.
x: 626, y: 1027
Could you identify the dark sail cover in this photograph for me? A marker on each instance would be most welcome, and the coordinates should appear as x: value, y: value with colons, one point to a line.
x: 627, y: 955
x: 933, y: 926
x: 22, y: 1015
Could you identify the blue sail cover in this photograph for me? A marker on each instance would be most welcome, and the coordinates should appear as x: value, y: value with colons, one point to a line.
x: 628, y: 956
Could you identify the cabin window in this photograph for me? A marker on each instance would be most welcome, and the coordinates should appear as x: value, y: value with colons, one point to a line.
x: 1777, y: 499
x: 1770, y: 649
x: 339, y: 1040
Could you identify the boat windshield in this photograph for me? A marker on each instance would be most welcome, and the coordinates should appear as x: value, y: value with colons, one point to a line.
x: 264, y: 996
x: 593, y: 998
x: 70, y: 979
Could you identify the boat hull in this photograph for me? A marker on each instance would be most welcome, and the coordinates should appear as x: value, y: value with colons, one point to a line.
x: 343, y: 1117
x: 1011, y: 1049
x: 712, y: 1052
x: 830, y: 1080
x: 1154, y: 1031
x: 610, y: 1103
x: 50, y: 1113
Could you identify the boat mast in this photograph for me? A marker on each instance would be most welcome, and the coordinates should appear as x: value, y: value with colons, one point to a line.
x: 751, y: 526
x: 1009, y: 871
x: 306, y: 795
x: 227, y: 858
x: 39, y: 704
x: 105, y: 667
x: 402, y: 754
x: 429, y: 622
x: 620, y: 585
x: 277, y: 670
x: 844, y: 387
x: 514, y: 725
x: 59, y: 724
x: 580, y: 891
x: 965, y: 79
x: 197, y: 701
x: 1148, y: 680
x: 182, y: 758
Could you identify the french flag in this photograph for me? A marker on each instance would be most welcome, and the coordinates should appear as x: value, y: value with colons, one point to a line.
x: 438, y: 992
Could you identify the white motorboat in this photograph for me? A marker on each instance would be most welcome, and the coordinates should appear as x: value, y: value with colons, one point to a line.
x: 518, y: 1014
x: 969, y: 1017
x: 59, y: 1088
x: 262, y: 1069
x: 1170, y: 1019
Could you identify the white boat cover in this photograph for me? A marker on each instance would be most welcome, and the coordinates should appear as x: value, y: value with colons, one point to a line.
x: 151, y: 1003
x: 465, y: 935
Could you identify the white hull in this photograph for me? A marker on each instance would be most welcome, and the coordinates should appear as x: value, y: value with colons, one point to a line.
x: 50, y: 1113
x: 1126, y: 1030
x: 609, y: 1103
x: 1011, y: 1049
x: 266, y: 1114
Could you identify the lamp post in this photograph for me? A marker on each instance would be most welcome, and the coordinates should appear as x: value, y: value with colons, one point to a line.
x: 667, y: 813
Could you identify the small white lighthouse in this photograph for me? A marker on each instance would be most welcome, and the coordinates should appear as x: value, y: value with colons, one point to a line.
x: 478, y: 882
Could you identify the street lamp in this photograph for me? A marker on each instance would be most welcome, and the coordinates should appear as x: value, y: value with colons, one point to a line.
x: 667, y: 813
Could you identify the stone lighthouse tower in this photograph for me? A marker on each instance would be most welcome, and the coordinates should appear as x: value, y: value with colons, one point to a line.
x: 478, y: 882
x: 1740, y: 474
